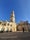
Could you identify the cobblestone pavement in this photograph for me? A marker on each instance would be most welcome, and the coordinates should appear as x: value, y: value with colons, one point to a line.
x: 15, y: 36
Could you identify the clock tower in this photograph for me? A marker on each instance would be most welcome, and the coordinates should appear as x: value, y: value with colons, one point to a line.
x: 12, y: 17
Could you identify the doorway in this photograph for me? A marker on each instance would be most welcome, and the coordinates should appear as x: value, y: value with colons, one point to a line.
x: 23, y: 29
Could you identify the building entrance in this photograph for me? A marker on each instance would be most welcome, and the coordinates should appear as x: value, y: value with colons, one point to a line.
x: 23, y: 29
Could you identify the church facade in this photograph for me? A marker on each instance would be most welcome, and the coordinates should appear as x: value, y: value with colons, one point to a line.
x: 11, y: 25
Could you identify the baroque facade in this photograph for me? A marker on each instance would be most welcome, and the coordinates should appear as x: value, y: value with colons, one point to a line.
x: 8, y: 26
x: 11, y: 25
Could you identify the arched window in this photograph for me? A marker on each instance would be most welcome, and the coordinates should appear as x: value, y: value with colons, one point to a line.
x: 4, y: 24
x: 11, y: 25
x: 8, y: 24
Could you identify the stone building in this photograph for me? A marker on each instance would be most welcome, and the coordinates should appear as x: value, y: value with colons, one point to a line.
x: 8, y: 26
x: 23, y: 25
x: 11, y: 26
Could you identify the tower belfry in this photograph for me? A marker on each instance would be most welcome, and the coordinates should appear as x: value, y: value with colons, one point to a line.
x: 12, y: 17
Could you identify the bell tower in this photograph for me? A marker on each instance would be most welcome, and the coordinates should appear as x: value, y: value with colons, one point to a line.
x: 12, y: 17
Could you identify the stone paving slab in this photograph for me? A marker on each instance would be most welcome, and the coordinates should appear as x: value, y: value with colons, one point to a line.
x: 15, y: 36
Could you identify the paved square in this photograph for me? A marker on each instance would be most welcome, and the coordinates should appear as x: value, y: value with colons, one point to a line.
x: 15, y: 36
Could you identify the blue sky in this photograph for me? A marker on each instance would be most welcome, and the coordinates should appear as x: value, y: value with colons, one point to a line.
x: 20, y: 7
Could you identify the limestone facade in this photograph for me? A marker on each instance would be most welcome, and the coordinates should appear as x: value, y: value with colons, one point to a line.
x: 12, y: 26
x: 8, y: 26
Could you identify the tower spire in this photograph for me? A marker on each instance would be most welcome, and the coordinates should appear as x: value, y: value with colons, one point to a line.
x: 12, y: 17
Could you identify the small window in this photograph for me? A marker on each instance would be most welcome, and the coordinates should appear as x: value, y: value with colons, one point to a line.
x: 8, y: 24
x: 4, y: 24
x: 11, y: 25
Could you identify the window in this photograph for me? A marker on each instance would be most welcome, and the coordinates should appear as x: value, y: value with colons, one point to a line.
x: 4, y: 24
x: 11, y: 25
x: 8, y: 24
